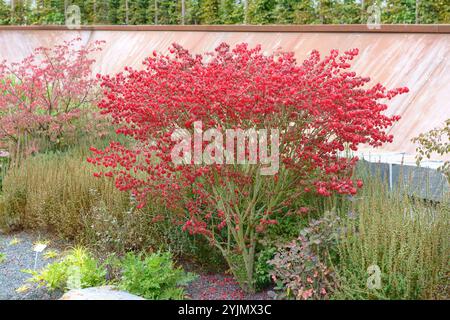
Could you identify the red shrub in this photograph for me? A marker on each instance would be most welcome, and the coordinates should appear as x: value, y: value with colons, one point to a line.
x: 45, y: 94
x: 319, y: 107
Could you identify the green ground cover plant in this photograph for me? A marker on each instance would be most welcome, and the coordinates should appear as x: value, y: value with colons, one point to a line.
x: 78, y: 269
x: 153, y: 276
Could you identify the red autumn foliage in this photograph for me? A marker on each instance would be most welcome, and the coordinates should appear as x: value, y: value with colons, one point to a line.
x: 46, y: 94
x: 319, y: 106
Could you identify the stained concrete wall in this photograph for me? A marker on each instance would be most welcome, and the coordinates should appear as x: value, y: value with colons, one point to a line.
x: 412, y: 57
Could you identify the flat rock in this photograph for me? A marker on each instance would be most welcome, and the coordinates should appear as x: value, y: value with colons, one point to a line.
x: 99, y: 293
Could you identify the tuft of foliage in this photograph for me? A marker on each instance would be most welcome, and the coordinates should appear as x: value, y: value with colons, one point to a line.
x: 50, y: 254
x: 153, y: 276
x: 2, y: 257
x: 436, y: 141
x: 263, y: 268
x: 4, y: 163
x: 300, y: 268
x: 77, y: 270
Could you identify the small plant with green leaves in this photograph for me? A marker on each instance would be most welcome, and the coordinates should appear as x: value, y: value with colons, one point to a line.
x: 50, y: 254
x: 263, y: 268
x: 14, y: 241
x: 78, y: 269
x: 154, y: 276
x: 436, y: 141
x: 2, y: 257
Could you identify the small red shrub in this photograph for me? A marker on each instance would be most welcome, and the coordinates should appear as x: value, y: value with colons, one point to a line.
x: 46, y: 94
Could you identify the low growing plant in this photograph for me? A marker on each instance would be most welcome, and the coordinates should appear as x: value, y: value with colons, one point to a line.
x: 263, y: 268
x: 300, y: 268
x: 78, y: 269
x: 153, y: 276
x: 4, y: 163
x: 436, y: 141
x: 2, y: 257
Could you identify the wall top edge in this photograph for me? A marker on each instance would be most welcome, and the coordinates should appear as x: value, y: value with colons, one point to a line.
x: 351, y: 28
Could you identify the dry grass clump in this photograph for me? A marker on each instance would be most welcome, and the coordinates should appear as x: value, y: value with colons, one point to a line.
x: 58, y: 192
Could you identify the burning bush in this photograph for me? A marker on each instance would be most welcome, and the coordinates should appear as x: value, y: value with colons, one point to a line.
x: 316, y: 110
x: 47, y: 97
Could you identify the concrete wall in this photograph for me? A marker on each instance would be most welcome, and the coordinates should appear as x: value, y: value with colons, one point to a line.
x: 416, y: 57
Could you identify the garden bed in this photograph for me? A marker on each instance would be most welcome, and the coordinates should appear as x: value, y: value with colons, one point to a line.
x: 108, y: 163
x: 18, y: 255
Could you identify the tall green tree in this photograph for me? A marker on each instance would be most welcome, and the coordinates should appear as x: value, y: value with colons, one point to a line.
x: 20, y: 12
x: 5, y: 13
x: 231, y: 12
x: 169, y: 11
x: 86, y: 9
x: 138, y: 10
x: 113, y: 17
x: 325, y: 11
x: 399, y: 11
x: 348, y: 12
x: 433, y: 11
x: 284, y: 12
x: 95, y: 11
x: 193, y: 12
x: 261, y: 11
x: 123, y: 12
x: 210, y: 12
x: 306, y: 12
x: 45, y: 12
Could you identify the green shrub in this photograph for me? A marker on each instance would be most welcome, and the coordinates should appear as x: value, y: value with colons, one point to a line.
x: 153, y: 276
x: 405, y: 237
x: 2, y: 257
x: 435, y: 142
x: 78, y: 269
x: 263, y: 268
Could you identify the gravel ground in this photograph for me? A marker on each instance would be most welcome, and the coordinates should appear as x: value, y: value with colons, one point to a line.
x: 18, y: 254
x: 220, y: 287
x: 17, y: 250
